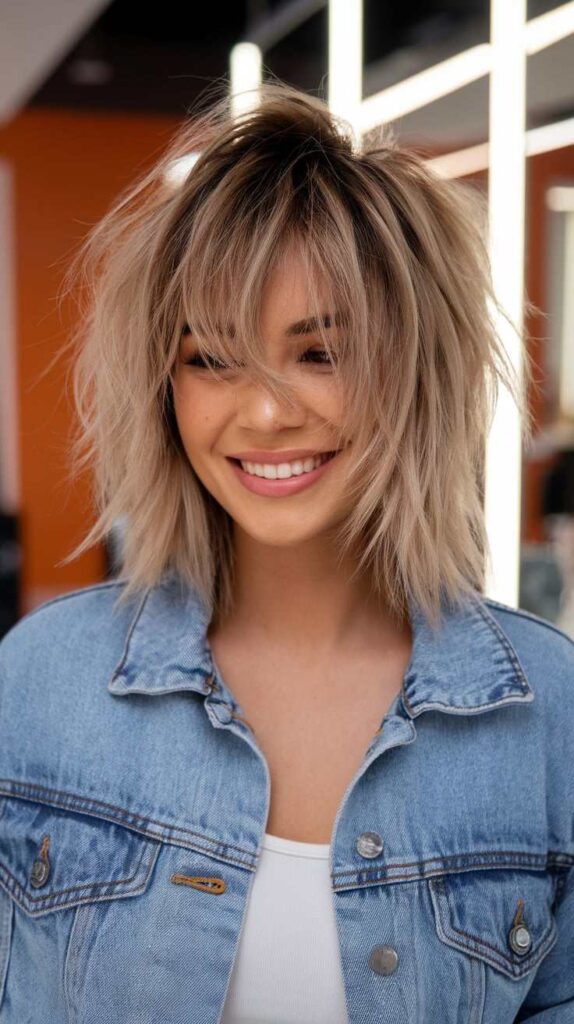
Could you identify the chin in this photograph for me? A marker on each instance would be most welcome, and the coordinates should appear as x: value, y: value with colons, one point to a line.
x: 282, y: 534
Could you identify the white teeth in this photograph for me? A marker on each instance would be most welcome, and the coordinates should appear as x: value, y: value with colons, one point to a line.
x: 283, y: 470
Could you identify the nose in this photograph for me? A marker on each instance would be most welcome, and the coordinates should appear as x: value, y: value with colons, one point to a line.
x: 260, y: 410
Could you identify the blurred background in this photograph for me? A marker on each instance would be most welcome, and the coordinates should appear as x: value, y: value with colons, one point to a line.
x: 90, y: 94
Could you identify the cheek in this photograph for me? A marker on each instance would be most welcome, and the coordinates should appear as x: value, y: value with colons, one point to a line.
x: 201, y: 413
x: 192, y: 416
x: 326, y: 399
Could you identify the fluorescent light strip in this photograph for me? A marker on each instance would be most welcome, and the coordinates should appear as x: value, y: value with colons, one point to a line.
x: 550, y: 136
x: 475, y: 158
x: 245, y: 75
x: 454, y: 73
x: 560, y: 198
x: 549, y: 28
x: 506, y: 199
x: 461, y: 161
x: 425, y: 87
x: 345, y: 78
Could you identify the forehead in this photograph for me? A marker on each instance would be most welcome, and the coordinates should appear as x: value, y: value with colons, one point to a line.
x: 294, y: 282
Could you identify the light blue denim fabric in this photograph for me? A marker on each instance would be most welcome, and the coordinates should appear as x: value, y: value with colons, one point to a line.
x: 126, y: 772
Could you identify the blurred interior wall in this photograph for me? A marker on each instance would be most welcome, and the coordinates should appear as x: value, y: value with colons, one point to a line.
x: 66, y: 168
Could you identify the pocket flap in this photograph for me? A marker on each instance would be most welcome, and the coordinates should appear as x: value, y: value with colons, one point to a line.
x: 52, y: 858
x: 504, y: 916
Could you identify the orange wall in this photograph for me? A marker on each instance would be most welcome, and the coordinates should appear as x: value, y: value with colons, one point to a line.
x: 67, y: 168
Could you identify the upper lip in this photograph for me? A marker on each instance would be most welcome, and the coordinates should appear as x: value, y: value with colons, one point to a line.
x: 275, y: 457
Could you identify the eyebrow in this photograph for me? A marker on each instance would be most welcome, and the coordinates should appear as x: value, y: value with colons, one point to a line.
x: 310, y: 324
x: 301, y: 327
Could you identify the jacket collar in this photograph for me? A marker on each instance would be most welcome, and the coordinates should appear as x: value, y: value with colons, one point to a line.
x: 470, y: 665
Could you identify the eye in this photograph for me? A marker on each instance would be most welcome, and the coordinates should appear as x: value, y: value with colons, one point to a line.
x: 320, y: 357
x: 320, y: 352
x: 200, y: 362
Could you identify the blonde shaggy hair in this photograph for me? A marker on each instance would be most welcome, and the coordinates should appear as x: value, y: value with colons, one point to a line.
x: 403, y: 256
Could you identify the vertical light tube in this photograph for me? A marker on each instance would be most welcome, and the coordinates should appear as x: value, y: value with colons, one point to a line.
x: 506, y: 188
x: 345, y: 78
x: 245, y: 77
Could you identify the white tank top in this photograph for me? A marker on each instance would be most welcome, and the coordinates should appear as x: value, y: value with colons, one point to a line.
x: 287, y: 968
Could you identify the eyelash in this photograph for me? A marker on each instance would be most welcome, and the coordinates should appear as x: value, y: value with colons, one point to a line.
x: 192, y: 361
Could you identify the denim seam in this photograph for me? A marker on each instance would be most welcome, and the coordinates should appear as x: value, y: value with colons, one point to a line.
x: 79, y: 804
x: 514, y: 859
x: 478, y: 989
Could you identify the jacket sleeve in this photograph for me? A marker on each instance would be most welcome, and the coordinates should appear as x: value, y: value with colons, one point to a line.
x: 550, y: 999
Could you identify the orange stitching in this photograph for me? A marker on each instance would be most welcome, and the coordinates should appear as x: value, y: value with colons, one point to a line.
x: 204, y: 884
x: 518, y: 915
x: 44, y: 848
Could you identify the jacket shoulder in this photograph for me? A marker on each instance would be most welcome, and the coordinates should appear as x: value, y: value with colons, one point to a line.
x: 64, y: 626
x: 544, y: 651
x: 508, y: 612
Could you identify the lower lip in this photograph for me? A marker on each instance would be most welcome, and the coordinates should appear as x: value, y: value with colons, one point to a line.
x: 279, y: 488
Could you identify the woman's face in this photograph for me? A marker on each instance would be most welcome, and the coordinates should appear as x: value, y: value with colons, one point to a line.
x: 218, y: 420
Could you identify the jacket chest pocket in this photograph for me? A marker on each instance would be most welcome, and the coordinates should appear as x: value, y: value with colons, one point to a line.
x: 53, y: 860
x: 501, y: 920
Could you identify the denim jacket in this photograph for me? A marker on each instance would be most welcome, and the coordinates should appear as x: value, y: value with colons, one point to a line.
x: 134, y: 799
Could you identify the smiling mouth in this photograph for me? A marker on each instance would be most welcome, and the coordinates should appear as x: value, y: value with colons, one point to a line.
x: 326, y: 456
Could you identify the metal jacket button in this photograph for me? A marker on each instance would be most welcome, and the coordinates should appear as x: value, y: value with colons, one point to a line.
x: 383, y: 959
x: 520, y: 939
x: 41, y: 866
x: 39, y: 873
x: 369, y: 844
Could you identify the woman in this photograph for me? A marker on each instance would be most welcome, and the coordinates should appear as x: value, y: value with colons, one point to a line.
x: 292, y: 765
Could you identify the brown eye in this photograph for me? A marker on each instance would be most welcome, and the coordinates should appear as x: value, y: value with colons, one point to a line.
x: 320, y: 353
x: 200, y: 361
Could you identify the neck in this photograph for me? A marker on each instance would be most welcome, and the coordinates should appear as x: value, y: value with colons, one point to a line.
x: 304, y: 596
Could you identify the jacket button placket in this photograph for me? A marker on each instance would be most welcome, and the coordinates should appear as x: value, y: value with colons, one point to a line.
x: 382, y: 959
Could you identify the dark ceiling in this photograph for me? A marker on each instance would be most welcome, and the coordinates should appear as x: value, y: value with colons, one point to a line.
x: 160, y: 58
